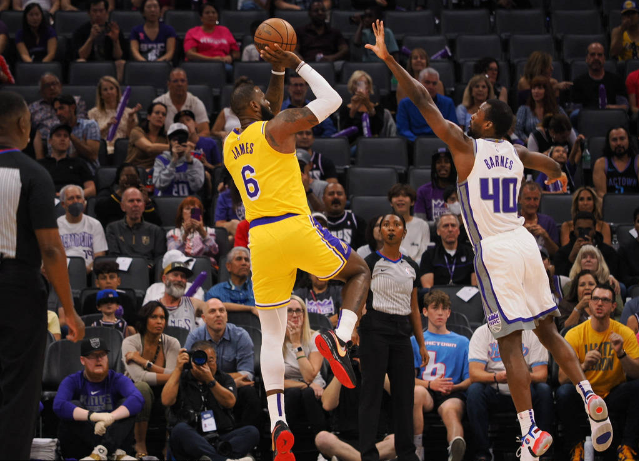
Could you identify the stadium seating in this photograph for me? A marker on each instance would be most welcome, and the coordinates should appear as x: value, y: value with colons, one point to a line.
x: 367, y: 207
x: 520, y: 22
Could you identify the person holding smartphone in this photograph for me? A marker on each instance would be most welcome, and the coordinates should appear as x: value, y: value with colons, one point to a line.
x: 352, y: 114
x: 176, y: 172
x: 190, y: 235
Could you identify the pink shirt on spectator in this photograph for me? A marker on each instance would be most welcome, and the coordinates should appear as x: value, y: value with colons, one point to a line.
x: 220, y: 42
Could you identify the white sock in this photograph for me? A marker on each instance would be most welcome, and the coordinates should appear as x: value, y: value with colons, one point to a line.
x: 584, y: 389
x: 526, y: 420
x: 417, y: 440
x: 346, y: 324
x: 275, y: 404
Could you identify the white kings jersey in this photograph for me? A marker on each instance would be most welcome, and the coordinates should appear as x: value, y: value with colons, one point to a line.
x: 489, y: 195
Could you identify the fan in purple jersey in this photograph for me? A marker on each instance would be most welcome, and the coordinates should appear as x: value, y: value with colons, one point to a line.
x: 96, y: 407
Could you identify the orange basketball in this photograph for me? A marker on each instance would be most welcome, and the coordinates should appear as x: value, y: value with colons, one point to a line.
x: 275, y: 30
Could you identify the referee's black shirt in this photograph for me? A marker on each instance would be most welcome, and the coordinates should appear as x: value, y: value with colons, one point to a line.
x: 26, y: 204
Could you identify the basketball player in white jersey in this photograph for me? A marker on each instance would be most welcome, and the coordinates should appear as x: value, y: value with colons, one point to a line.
x: 512, y: 279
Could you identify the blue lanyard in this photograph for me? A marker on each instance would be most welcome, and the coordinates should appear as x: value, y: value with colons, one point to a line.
x: 451, y: 269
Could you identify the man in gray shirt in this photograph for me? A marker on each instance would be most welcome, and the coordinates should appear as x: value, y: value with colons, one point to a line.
x: 132, y: 236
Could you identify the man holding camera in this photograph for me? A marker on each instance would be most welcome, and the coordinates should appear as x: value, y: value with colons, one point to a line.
x: 100, y: 39
x: 89, y: 408
x: 201, y: 400
x: 176, y: 172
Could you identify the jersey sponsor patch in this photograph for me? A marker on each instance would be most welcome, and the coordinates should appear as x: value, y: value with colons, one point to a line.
x: 494, y: 322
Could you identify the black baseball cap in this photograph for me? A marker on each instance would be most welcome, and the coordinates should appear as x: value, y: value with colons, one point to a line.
x: 188, y: 113
x: 90, y: 345
x: 58, y: 127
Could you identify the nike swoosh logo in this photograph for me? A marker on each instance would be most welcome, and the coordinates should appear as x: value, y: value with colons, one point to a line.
x: 340, y: 350
x: 383, y: 270
x: 94, y: 392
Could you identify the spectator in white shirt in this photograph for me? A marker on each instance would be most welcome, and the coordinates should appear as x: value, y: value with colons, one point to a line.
x: 81, y: 235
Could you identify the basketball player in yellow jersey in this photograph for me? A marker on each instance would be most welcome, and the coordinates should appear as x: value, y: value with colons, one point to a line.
x: 283, y: 236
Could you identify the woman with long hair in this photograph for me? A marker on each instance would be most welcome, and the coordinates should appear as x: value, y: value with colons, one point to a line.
x: 554, y: 129
x: 541, y: 102
x: 590, y: 258
x: 538, y: 63
x: 417, y: 61
x: 148, y: 140
x: 107, y: 98
x: 149, y: 359
x: 478, y: 91
x: 37, y: 40
x: 574, y: 307
x: 153, y: 40
x: 392, y: 317
x: 190, y: 235
x: 585, y: 199
x: 303, y: 383
x: 490, y: 68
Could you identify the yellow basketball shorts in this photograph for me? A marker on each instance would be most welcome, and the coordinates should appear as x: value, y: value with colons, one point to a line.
x: 281, y: 245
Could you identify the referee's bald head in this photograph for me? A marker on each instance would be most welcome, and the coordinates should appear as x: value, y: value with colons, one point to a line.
x: 15, y: 120
x: 13, y: 106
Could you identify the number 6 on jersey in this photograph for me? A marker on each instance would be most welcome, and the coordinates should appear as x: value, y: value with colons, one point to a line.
x: 250, y: 183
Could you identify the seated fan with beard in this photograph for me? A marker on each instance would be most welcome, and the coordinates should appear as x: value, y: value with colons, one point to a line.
x: 183, y: 310
x: 617, y: 171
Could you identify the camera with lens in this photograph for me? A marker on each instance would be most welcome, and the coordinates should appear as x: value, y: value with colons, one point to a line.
x: 197, y: 357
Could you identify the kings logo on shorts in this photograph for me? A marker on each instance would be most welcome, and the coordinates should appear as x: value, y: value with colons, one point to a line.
x: 494, y: 322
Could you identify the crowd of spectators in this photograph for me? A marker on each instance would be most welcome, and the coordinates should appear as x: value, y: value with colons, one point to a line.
x: 174, y: 150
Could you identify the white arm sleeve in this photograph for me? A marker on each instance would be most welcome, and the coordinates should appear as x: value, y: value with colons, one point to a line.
x: 328, y: 101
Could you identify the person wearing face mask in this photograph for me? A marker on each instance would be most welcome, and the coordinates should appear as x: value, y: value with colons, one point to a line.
x: 64, y: 169
x: 176, y: 172
x: 450, y: 262
x: 81, y: 235
x: 617, y: 171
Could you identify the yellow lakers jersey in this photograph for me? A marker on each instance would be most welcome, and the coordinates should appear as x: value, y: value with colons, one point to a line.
x: 269, y: 182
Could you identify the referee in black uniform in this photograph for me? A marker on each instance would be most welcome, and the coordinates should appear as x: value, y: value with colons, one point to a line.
x: 392, y: 316
x: 28, y: 237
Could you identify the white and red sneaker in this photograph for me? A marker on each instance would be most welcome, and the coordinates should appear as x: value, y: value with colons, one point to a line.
x: 600, y: 425
x: 536, y: 442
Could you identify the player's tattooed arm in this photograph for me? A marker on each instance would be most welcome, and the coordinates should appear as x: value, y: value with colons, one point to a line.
x: 280, y: 132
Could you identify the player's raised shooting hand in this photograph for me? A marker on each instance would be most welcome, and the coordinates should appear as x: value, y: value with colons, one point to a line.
x: 279, y: 58
x: 380, y: 45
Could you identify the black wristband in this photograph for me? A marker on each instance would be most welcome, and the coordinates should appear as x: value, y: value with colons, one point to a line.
x: 622, y: 355
x: 428, y: 387
x: 495, y: 378
x: 211, y: 384
x: 89, y: 417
